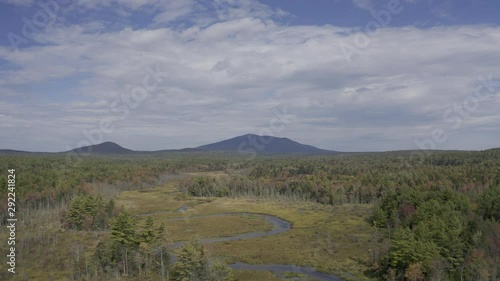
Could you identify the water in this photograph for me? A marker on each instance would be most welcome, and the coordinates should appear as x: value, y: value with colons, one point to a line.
x: 279, y: 269
x: 279, y: 226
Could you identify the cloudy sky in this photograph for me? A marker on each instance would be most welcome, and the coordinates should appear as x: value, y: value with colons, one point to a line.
x: 349, y: 75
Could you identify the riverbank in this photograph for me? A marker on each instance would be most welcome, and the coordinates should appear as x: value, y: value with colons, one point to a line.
x: 335, y: 240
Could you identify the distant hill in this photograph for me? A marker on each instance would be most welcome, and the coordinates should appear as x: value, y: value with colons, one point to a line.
x: 103, y: 148
x: 173, y: 150
x: 11, y: 151
x: 263, y: 144
x: 245, y: 143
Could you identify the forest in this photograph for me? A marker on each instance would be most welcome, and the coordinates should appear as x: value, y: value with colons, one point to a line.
x: 435, y: 217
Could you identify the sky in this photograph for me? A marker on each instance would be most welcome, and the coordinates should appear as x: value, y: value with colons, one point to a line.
x: 346, y: 75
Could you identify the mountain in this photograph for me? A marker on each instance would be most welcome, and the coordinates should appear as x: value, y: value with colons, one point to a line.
x: 103, y: 148
x: 11, y: 151
x: 249, y: 143
x: 263, y: 144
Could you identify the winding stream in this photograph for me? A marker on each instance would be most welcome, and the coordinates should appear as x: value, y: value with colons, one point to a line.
x: 279, y: 269
x: 279, y: 226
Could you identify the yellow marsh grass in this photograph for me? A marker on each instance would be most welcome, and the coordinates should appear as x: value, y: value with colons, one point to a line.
x: 187, y: 228
x: 333, y: 239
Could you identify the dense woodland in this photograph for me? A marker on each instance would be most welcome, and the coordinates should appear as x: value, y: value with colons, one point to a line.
x: 436, y: 216
x: 440, y: 214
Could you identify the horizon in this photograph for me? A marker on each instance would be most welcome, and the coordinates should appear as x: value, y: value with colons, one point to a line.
x: 263, y: 136
x: 353, y: 75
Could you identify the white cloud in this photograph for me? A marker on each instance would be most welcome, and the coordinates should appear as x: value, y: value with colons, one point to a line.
x: 235, y: 9
x: 363, y: 4
x: 226, y: 77
x: 174, y: 10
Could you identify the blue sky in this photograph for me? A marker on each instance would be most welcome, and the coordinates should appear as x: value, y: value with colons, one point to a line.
x: 351, y: 75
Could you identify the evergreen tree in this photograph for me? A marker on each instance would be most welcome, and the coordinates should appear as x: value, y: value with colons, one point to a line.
x: 123, y: 230
x: 193, y: 265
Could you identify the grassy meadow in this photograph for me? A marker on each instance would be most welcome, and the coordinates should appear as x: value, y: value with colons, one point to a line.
x: 333, y: 239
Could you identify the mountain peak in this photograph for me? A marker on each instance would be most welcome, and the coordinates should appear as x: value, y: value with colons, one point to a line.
x: 263, y: 144
x: 248, y: 143
x: 103, y: 148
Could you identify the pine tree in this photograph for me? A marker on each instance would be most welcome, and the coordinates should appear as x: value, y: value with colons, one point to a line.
x: 193, y: 264
x: 379, y: 218
x: 123, y: 230
x: 148, y: 235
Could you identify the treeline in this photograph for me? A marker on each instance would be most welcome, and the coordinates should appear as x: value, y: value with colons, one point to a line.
x: 88, y: 212
x: 363, y: 178
x: 58, y: 196
x: 439, y: 235
x: 438, y: 215
x: 138, y: 251
x: 47, y: 181
x: 131, y: 250
x: 50, y: 180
